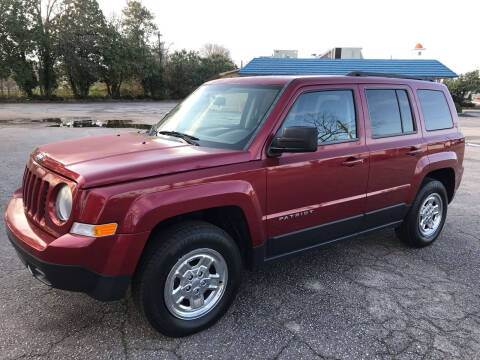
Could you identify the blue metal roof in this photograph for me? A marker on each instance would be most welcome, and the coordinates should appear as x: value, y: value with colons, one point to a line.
x: 286, y: 66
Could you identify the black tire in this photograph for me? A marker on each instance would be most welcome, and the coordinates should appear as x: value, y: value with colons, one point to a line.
x: 409, y: 231
x: 161, y: 255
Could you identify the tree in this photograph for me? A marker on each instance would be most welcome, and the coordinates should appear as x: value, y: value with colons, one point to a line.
x: 16, y: 43
x: 137, y: 23
x: 183, y: 73
x: 81, y: 28
x: 5, y: 70
x: 463, y: 87
x: 152, y: 77
x: 45, y: 38
x: 186, y: 70
x: 209, y: 50
x: 216, y: 64
x: 138, y: 28
x: 114, y: 66
x: 27, y: 43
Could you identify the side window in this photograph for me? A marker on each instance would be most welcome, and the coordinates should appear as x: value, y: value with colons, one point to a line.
x: 390, y: 112
x: 332, y: 112
x: 435, y: 110
x: 405, y: 111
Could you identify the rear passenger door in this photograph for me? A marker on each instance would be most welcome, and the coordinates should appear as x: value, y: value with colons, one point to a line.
x: 395, y: 144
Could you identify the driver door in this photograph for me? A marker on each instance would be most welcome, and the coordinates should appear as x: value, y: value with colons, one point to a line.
x: 317, y: 197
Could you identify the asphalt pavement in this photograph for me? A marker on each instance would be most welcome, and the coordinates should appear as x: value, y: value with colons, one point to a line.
x: 148, y: 112
x: 370, y: 297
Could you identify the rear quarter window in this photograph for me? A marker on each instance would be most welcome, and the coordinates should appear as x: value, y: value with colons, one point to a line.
x: 435, y: 110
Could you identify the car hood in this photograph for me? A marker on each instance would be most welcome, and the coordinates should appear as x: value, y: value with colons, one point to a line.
x: 107, y: 159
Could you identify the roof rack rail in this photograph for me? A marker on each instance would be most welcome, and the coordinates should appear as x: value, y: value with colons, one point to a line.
x: 364, y: 73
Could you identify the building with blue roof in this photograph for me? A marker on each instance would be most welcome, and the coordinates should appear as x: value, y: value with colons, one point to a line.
x: 419, y: 68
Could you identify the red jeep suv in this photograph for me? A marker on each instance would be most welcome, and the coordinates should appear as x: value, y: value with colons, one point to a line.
x: 244, y: 171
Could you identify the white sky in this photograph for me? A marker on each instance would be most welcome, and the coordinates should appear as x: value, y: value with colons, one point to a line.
x: 449, y: 30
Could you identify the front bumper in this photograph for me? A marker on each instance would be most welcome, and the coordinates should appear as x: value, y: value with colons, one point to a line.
x: 73, y: 278
x: 99, y: 267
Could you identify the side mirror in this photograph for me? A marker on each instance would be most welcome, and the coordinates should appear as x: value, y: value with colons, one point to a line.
x: 295, y: 139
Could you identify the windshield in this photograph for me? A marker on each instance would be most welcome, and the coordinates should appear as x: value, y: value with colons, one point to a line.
x: 222, y: 115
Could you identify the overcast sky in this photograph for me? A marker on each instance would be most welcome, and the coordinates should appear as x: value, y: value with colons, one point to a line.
x: 449, y: 30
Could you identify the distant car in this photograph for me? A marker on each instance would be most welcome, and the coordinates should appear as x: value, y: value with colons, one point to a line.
x: 244, y: 171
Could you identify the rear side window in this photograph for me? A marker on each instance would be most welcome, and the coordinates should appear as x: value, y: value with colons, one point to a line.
x: 435, y: 110
x: 390, y: 112
x: 405, y: 111
x: 332, y: 112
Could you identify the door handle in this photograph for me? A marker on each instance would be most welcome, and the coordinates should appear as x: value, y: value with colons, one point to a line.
x: 414, y: 150
x: 352, y: 161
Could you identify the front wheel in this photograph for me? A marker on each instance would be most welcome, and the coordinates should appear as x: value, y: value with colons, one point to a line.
x: 425, y: 219
x: 188, y: 278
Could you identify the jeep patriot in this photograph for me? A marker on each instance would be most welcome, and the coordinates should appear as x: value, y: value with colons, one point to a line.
x: 242, y: 172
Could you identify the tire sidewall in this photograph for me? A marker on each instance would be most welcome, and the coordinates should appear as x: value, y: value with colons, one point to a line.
x: 429, y: 188
x: 157, y: 272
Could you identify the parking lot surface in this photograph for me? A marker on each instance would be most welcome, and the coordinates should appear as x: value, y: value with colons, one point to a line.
x: 148, y: 112
x: 370, y: 297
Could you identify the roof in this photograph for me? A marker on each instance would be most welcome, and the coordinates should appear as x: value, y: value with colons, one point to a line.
x: 255, y: 80
x: 283, y: 66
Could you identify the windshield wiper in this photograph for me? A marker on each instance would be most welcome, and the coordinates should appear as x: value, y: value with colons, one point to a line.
x: 188, y: 138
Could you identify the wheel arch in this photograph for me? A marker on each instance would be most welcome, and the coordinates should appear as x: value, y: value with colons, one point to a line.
x: 231, y: 205
x: 230, y: 218
x: 440, y: 166
x: 447, y: 177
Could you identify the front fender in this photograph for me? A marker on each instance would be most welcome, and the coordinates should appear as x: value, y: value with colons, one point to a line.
x: 150, y: 209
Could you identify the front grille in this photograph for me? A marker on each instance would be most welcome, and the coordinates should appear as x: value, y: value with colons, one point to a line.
x: 34, y: 194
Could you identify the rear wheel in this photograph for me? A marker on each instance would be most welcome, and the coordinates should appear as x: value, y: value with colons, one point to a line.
x: 188, y: 278
x: 425, y: 219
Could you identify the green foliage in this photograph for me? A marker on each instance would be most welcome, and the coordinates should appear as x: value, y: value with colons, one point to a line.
x: 216, y: 64
x: 45, y: 30
x: 183, y: 73
x: 463, y: 87
x: 81, y: 28
x: 152, y: 78
x: 16, y: 43
x: 5, y: 69
x: 137, y: 23
x: 27, y: 44
x: 24, y: 76
x: 44, y: 43
x: 138, y: 27
x: 115, y: 53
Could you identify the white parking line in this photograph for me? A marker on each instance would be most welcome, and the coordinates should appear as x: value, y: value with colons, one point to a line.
x: 473, y: 144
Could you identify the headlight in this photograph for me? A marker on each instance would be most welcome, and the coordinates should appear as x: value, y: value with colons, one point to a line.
x: 63, y: 205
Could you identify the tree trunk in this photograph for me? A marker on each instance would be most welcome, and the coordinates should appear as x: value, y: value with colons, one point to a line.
x: 73, y: 86
x: 116, y: 90
x: 109, y: 89
x: 85, y: 91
